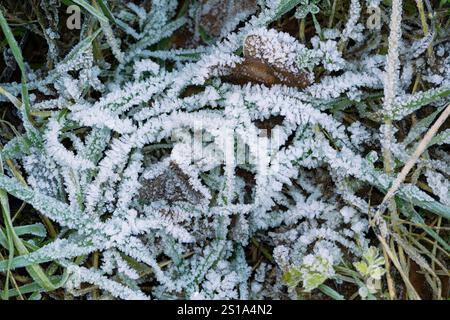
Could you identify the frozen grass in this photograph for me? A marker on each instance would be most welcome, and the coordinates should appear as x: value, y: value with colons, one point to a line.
x: 105, y: 194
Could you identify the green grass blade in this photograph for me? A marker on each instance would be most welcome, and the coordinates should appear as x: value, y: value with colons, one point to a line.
x: 433, y: 206
x: 50, y: 207
x: 413, y: 102
x: 9, y: 242
x: 37, y: 229
x: 80, y: 47
x: 408, y: 211
x: 33, y: 287
x: 17, y: 53
x: 330, y: 292
x: 3, y: 239
x: 284, y: 7
x: 22, y: 261
x: 105, y: 9
x: 34, y: 270
x: 420, y: 127
x: 410, y: 194
x: 16, y: 102
x: 441, y: 138
x: 45, y: 254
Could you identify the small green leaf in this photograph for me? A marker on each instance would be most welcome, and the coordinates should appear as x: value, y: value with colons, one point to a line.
x: 292, y: 277
x: 362, y: 268
x: 92, y: 10
x: 314, y: 9
x: 313, y: 280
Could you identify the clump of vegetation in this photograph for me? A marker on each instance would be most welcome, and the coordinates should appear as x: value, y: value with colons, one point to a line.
x: 164, y: 149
